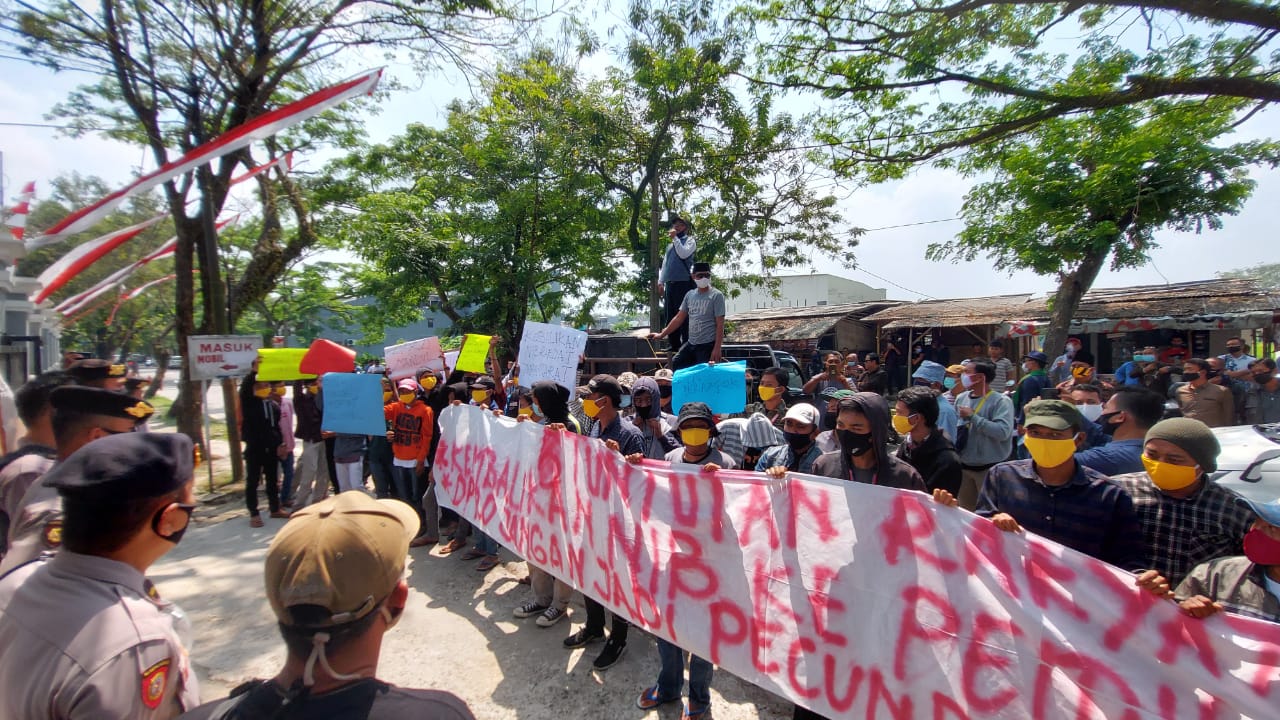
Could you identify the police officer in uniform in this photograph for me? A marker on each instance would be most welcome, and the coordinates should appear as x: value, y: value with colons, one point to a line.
x: 80, y: 416
x: 99, y: 374
x: 84, y: 634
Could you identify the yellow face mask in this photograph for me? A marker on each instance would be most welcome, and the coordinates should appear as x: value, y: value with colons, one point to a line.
x: 1082, y: 373
x: 279, y: 391
x: 427, y: 382
x: 313, y: 388
x: 264, y: 393
x: 767, y: 393
x: 1167, y: 476
x: 479, y: 396
x: 1050, y: 453
x: 386, y: 396
x: 408, y: 398
x: 695, y: 437
x: 902, y: 423
x: 590, y: 407
x: 525, y: 412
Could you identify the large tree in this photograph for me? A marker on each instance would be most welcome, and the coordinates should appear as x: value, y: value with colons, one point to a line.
x: 906, y: 80
x: 491, y: 216
x: 173, y: 75
x: 1071, y: 195
x: 674, y: 128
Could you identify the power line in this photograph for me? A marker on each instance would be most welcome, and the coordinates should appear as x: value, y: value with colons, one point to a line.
x: 900, y: 287
x: 910, y: 224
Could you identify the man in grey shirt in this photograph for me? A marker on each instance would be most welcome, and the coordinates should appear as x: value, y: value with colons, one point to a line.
x: 704, y: 309
x: 985, y: 435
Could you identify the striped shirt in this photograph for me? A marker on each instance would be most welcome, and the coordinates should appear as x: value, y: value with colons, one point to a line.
x: 1182, y: 533
x: 1088, y: 514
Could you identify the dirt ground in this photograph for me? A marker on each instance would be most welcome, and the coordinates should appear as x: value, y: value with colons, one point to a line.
x: 457, y: 634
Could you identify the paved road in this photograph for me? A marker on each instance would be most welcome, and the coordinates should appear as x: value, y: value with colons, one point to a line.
x: 457, y: 634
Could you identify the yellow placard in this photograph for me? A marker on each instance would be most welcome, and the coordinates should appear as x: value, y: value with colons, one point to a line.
x: 475, y: 348
x: 281, y: 364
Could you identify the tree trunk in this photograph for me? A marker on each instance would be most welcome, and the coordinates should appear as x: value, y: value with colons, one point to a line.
x: 1071, y: 288
x: 187, y: 408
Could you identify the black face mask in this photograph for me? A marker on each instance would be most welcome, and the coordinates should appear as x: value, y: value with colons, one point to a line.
x: 853, y: 443
x: 829, y: 422
x: 750, y: 458
x: 1189, y: 376
x: 1262, y: 379
x: 1109, y: 427
x: 176, y: 537
x: 797, y: 441
x: 664, y: 391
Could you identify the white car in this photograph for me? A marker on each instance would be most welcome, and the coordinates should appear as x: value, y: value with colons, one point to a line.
x: 1249, y: 462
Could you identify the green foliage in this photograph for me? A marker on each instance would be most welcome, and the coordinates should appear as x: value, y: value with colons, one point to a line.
x: 674, y: 114
x: 905, y: 80
x: 490, y: 217
x: 1267, y: 274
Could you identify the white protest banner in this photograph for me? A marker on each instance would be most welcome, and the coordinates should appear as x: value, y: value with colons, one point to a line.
x: 853, y: 600
x: 406, y: 359
x: 551, y: 352
x: 451, y: 359
x: 221, y: 356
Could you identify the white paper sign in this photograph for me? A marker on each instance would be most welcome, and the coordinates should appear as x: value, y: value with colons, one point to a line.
x: 406, y: 359
x: 451, y: 359
x: 221, y: 356
x: 551, y: 352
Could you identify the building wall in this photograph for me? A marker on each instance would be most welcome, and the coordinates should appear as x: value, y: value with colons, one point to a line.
x: 804, y: 291
x: 431, y: 322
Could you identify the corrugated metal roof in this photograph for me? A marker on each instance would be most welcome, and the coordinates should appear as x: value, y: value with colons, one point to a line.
x: 796, y: 323
x: 957, y: 312
x: 1205, y: 297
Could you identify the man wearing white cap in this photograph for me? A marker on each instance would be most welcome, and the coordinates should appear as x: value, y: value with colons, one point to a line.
x: 800, y: 428
x: 334, y: 578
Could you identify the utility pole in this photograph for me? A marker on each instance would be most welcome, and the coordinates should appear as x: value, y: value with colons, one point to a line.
x: 655, y: 316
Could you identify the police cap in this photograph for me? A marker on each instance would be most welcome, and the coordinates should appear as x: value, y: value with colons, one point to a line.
x: 97, y: 401
x: 128, y: 466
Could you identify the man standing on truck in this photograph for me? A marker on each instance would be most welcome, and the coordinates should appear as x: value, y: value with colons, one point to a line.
x: 704, y: 309
x: 675, y: 278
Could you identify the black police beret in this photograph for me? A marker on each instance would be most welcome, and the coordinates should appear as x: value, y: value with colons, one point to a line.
x: 94, y: 369
x: 128, y: 466
x: 97, y: 401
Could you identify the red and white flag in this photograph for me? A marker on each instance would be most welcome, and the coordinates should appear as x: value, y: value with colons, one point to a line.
x: 76, y: 302
x: 82, y: 256
x: 17, y: 215
x: 286, y: 160
x: 259, y: 128
x: 126, y: 297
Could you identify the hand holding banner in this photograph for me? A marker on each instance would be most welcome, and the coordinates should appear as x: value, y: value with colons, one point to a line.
x: 475, y: 348
x: 406, y: 359
x: 281, y: 364
x: 850, y: 599
x: 722, y: 386
x: 353, y: 404
x: 550, y: 352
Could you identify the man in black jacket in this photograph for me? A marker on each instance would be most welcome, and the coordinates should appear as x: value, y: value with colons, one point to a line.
x: 925, y: 447
x: 260, y: 429
x: 862, y: 430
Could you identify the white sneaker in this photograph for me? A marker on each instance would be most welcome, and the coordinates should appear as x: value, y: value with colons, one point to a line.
x: 551, y: 616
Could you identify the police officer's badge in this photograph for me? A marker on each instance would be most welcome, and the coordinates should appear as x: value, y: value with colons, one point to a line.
x: 154, y: 680
x: 53, y: 534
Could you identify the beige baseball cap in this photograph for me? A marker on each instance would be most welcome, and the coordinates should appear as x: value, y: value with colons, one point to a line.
x: 344, y: 554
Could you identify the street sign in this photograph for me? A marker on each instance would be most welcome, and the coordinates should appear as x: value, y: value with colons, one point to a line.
x: 221, y: 356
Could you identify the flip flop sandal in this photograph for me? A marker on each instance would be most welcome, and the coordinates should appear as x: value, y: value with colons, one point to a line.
x: 649, y: 699
x: 487, y: 564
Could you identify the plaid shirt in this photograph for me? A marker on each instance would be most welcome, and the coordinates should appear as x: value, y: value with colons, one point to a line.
x: 1087, y: 514
x: 1182, y: 533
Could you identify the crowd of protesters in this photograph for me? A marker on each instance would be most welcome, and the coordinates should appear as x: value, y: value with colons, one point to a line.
x: 1035, y: 446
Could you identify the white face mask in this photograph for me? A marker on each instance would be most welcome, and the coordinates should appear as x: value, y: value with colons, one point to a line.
x: 703, y: 283
x: 967, y: 380
x: 1090, y: 412
x: 1025, y: 369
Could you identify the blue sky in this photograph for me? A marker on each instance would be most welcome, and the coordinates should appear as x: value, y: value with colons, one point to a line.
x: 892, y: 258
